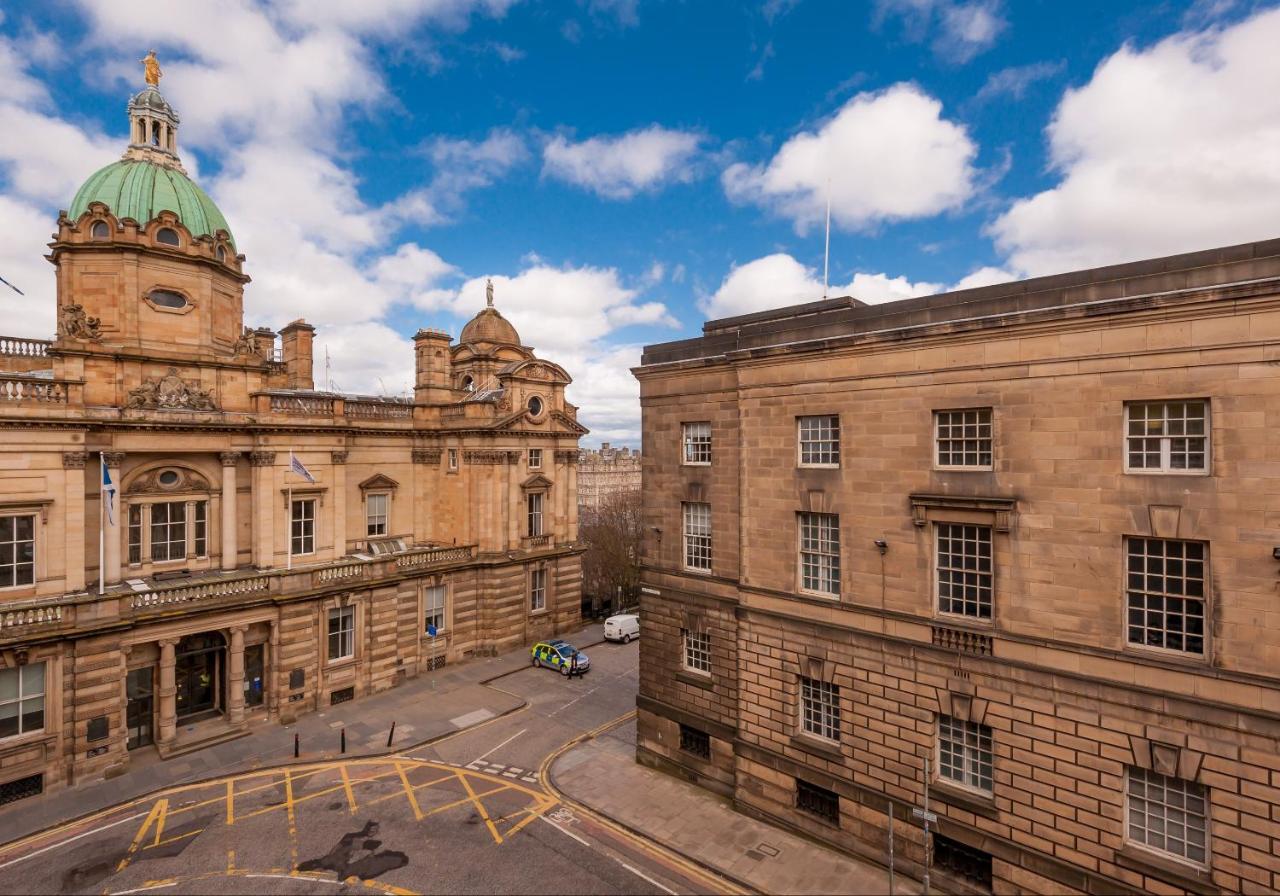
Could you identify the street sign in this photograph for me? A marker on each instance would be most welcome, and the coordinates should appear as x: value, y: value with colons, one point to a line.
x: 926, y: 816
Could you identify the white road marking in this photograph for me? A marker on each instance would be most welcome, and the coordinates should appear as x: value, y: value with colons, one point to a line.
x: 308, y: 878
x: 499, y: 746
x: 530, y: 778
x: 172, y: 883
x: 565, y: 831
x: 105, y: 827
x: 636, y: 871
x: 640, y: 874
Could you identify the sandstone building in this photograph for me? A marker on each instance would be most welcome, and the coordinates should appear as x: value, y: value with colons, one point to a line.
x: 1027, y: 533
x: 607, y: 471
x: 233, y: 589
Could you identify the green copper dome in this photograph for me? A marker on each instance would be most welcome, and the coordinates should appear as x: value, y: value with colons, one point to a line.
x: 139, y: 189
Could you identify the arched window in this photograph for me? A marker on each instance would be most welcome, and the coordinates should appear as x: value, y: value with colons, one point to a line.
x: 168, y: 236
x: 166, y: 298
x: 468, y: 384
x: 99, y: 230
x: 221, y: 254
x: 155, y: 133
x: 535, y: 406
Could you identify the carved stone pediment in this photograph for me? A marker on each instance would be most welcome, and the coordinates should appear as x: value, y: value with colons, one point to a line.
x: 151, y: 482
x: 379, y: 482
x: 536, y: 482
x: 170, y: 392
x: 74, y: 323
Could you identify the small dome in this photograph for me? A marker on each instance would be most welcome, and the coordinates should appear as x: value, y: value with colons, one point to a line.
x: 150, y: 98
x: 490, y: 326
x: 141, y: 189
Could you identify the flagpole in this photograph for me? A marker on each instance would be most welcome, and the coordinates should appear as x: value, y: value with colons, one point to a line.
x: 102, y: 533
x: 288, y: 514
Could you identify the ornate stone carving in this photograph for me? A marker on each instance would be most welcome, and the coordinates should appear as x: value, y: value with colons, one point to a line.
x: 262, y: 458
x: 426, y: 455
x: 114, y: 459
x: 491, y: 457
x: 567, y: 457
x: 537, y: 372
x: 245, y: 344
x: 74, y: 460
x: 338, y: 457
x: 504, y: 402
x: 229, y: 458
x: 149, y: 483
x: 170, y: 392
x: 74, y: 323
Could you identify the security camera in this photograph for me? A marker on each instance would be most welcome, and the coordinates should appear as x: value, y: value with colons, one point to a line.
x: 882, y: 545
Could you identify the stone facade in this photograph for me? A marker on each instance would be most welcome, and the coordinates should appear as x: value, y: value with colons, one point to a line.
x: 607, y: 471
x: 232, y: 588
x: 1128, y: 635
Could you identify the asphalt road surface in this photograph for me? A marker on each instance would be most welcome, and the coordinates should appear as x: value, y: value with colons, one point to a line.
x: 469, y: 814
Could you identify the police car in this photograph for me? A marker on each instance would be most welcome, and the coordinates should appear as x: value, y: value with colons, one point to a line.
x: 560, y: 655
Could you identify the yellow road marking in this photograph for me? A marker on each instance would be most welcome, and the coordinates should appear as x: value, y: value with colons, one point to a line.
x: 156, y: 817
x: 346, y: 784
x: 231, y: 801
x: 484, y: 813
x: 408, y: 791
x: 231, y: 861
x: 534, y: 812
x: 175, y: 838
x: 293, y: 823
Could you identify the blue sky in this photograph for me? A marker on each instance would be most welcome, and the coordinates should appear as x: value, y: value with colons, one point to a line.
x: 624, y: 169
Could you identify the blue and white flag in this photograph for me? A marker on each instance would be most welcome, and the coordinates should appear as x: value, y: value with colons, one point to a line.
x: 108, y: 492
x: 296, y: 466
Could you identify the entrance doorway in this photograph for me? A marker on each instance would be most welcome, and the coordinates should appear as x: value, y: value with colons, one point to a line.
x: 199, y: 675
x: 139, y: 707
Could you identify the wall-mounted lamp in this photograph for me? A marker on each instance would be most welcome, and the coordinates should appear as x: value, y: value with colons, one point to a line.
x: 882, y: 546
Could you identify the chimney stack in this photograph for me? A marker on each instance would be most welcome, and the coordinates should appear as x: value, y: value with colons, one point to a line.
x: 295, y: 348
x: 433, y: 364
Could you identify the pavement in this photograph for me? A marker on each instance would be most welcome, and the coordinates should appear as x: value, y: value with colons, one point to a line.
x: 601, y: 774
x: 425, y: 708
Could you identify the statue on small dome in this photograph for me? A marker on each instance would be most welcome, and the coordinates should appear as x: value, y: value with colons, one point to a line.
x: 151, y: 68
x: 488, y: 291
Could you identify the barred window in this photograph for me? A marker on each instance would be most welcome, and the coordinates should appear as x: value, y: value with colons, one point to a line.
x: 433, y: 607
x: 964, y: 753
x: 1167, y: 436
x: 820, y: 708
x: 694, y: 741
x: 537, y: 589
x: 697, y: 442
x: 964, y: 570
x: 21, y: 699
x: 1166, y: 594
x: 964, y: 438
x: 17, y: 550
x: 169, y: 531
x: 697, y: 536
x: 819, y: 441
x: 697, y: 651
x: 534, y: 502
x: 303, y: 527
x: 342, y: 632
x: 818, y: 801
x: 820, y: 553
x: 375, y: 514
x: 1168, y: 814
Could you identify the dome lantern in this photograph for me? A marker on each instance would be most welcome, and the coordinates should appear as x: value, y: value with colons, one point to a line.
x: 153, y: 124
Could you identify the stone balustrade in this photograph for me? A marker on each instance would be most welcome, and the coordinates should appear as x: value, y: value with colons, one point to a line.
x: 20, y: 621
x: 164, y: 597
x: 432, y: 556
x: 32, y: 391
x: 303, y: 405
x: 339, y: 572
x: 367, y: 409
x: 17, y: 347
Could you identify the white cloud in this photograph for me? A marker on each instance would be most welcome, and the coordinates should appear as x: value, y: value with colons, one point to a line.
x: 1166, y: 149
x: 884, y: 156
x: 777, y: 280
x: 985, y: 276
x: 619, y: 167
x: 625, y: 12
x: 367, y: 357
x: 1014, y: 82
x: 24, y: 234
x: 961, y: 29
x: 460, y: 166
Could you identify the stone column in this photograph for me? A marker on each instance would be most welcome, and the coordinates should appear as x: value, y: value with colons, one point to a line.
x: 229, y: 520
x: 263, y: 508
x: 426, y: 463
x: 340, y: 504
x: 114, y: 534
x: 270, y: 672
x: 168, y: 692
x: 73, y: 521
x: 235, y: 676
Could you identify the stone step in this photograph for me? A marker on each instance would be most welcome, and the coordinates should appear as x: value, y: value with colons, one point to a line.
x: 200, y: 739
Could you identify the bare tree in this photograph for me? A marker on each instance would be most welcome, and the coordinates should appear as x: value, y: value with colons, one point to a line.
x: 611, y: 566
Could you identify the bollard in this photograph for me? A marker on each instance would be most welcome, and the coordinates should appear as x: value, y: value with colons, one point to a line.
x: 391, y: 733
x: 344, y: 740
x: 295, y: 745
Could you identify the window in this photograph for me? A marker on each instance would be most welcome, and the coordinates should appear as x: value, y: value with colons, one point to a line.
x: 168, y: 236
x: 534, y: 504
x: 820, y: 553
x: 819, y: 441
x: 1168, y: 814
x: 1166, y: 596
x: 697, y: 651
x: 220, y: 254
x: 433, y: 607
x: 694, y: 741
x: 342, y: 633
x: 820, y: 708
x: 20, y: 789
x: 538, y: 589
x: 453, y: 458
x: 135, y: 533
x: 965, y: 578
x: 167, y: 298
x: 375, y: 514
x: 1167, y: 437
x: 818, y: 801
x: 99, y: 230
x: 965, y: 862
x: 168, y: 531
x: 697, y: 443
x: 964, y: 753
x: 535, y: 406
x: 303, y: 530
x: 200, y: 540
x: 964, y: 438
x: 535, y: 458
x: 697, y: 536
x: 22, y: 700
x: 17, y: 550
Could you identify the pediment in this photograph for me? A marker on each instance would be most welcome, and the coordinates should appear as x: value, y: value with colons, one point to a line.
x: 535, y: 482
x: 569, y: 423
x: 537, y: 370
x: 379, y: 482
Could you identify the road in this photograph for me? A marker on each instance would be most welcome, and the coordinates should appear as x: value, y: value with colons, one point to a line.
x: 473, y: 813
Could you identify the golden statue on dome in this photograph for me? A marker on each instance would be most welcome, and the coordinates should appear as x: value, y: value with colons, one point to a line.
x: 151, y: 65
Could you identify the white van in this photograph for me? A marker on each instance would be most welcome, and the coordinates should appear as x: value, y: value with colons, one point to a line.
x: 622, y: 628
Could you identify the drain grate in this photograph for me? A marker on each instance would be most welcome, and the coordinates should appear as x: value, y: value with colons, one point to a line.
x: 768, y: 850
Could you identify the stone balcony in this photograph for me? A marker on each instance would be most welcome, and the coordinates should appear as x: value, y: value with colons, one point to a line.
x: 42, y: 618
